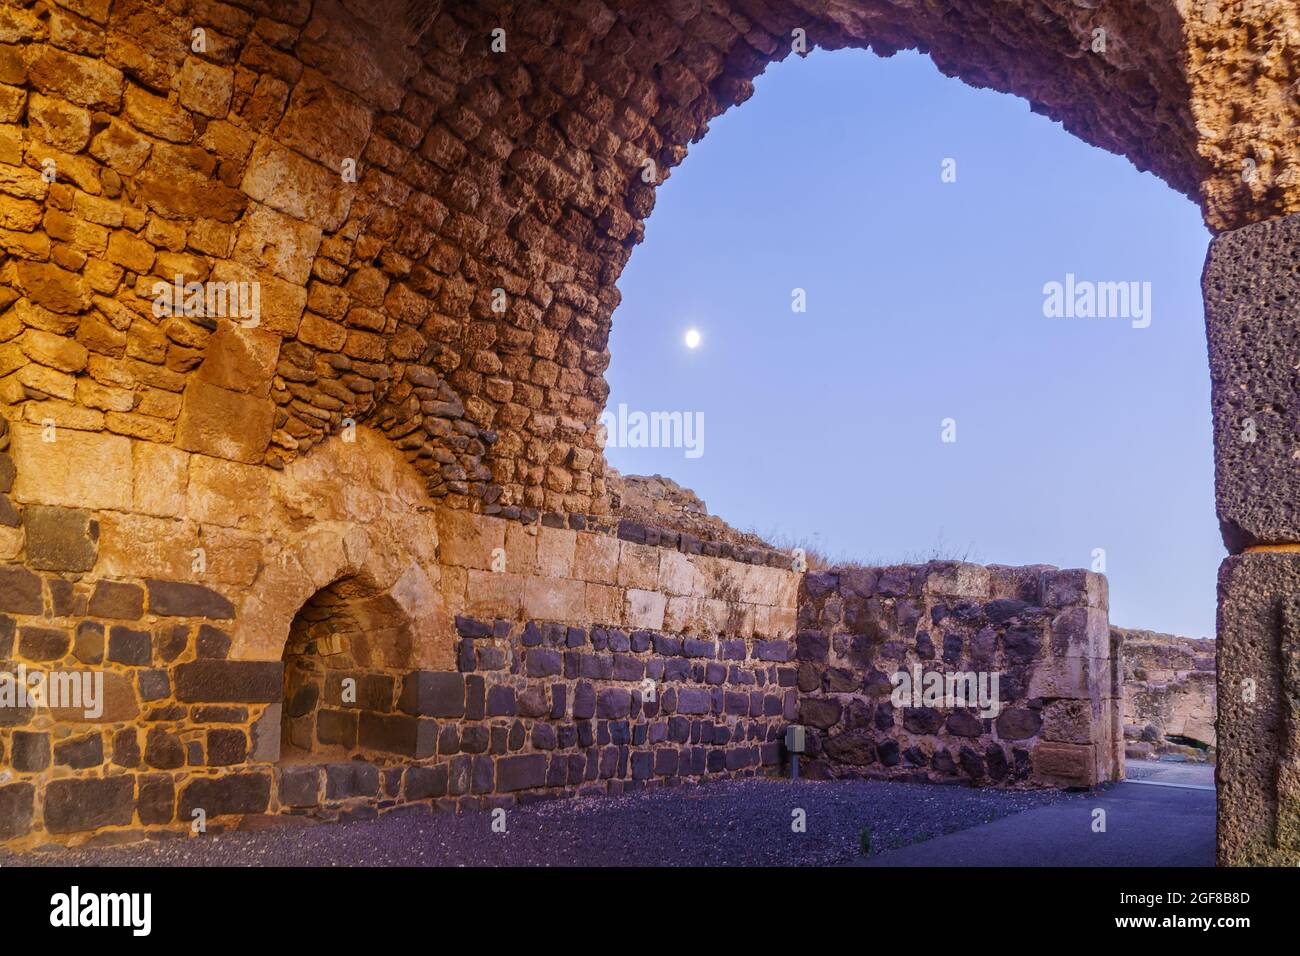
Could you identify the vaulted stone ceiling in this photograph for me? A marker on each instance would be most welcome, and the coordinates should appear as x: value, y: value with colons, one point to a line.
x: 435, y: 199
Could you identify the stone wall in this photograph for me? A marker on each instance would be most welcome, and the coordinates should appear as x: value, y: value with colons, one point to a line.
x: 1041, y: 631
x: 1170, y: 690
x: 434, y: 654
x: 320, y: 640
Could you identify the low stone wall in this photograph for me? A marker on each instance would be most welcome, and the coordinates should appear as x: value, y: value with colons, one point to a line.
x: 321, y: 640
x: 1040, y: 631
x: 434, y: 655
x: 1170, y: 690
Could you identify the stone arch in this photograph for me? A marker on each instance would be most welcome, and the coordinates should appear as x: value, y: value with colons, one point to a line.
x: 387, y: 579
x: 348, y: 649
x: 477, y: 170
x: 521, y: 170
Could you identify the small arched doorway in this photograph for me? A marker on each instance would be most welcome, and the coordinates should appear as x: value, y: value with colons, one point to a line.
x: 349, y: 648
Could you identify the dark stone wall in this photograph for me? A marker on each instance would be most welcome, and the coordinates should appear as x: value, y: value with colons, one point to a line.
x: 1043, y: 632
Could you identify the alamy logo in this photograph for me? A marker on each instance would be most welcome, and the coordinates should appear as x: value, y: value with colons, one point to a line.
x: 977, y: 690
x: 58, y: 690
x: 624, y: 429
x: 218, y: 300
x: 72, y: 909
x: 1084, y: 299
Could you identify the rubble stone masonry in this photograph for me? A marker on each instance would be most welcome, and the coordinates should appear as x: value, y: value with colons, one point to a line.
x: 1043, y: 632
x: 1170, y: 690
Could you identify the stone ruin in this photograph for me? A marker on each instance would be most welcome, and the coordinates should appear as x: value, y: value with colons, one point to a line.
x: 304, y: 311
x: 1170, y: 694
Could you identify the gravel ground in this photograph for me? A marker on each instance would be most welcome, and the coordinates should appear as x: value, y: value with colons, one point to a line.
x: 733, y: 823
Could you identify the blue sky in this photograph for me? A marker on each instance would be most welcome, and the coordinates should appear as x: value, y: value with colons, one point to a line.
x: 925, y: 302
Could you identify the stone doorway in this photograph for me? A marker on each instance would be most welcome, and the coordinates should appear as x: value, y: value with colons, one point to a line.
x: 347, y: 652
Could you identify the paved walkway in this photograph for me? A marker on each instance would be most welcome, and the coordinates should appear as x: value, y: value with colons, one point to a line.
x: 1165, y: 818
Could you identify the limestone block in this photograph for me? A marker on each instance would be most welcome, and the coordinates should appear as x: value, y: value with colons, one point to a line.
x: 78, y: 469
x: 521, y: 548
x: 280, y: 303
x: 1074, y: 587
x: 1081, y: 632
x: 159, y: 475
x: 604, y: 604
x: 956, y: 579
x: 684, y: 615
x: 1253, y: 326
x: 230, y: 556
x: 285, y: 245
x: 60, y: 539
x: 555, y: 552
x: 226, y: 493
x: 558, y: 599
x: 677, y: 575
x: 494, y: 594
x: 240, y: 359
x: 205, y: 87
x: 324, y: 121
x: 645, y: 608
x: 1065, y: 765
x: 638, y: 565
x: 295, y: 185
x: 467, y: 540
x: 596, y: 558
x: 224, y: 424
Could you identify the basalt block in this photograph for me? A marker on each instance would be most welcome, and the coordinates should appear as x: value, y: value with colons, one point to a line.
x: 1259, y: 684
x: 399, y: 734
x: 219, y: 796
x: 237, y: 682
x: 1252, y: 322
x: 75, y: 805
x: 183, y: 599
x: 433, y: 694
x: 61, y: 539
x: 16, y: 804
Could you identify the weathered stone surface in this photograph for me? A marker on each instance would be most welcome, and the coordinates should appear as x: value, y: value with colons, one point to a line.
x: 398, y: 734
x: 1065, y: 765
x: 521, y: 773
x: 76, y: 805
x: 43, y: 643
x: 116, y: 600
x: 1252, y: 376
x: 299, y: 786
x: 235, y: 793
x: 1170, y: 687
x: 129, y: 646
x: 157, y: 802
x: 20, y: 591
x: 61, y: 539
x: 16, y: 804
x: 235, y: 166
x: 433, y: 694
x: 223, y: 423
x: 346, y: 780
x: 182, y: 599
x: 1259, y: 627
x: 246, y: 682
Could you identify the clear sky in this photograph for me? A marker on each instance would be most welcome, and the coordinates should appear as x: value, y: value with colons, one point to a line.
x: 925, y: 302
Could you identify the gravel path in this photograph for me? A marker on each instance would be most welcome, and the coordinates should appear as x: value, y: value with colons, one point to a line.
x: 739, y: 823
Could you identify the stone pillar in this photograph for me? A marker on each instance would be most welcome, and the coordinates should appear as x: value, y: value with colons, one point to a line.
x: 1252, y: 307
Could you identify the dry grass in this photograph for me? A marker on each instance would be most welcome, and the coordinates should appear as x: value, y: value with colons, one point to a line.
x: 820, y: 560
